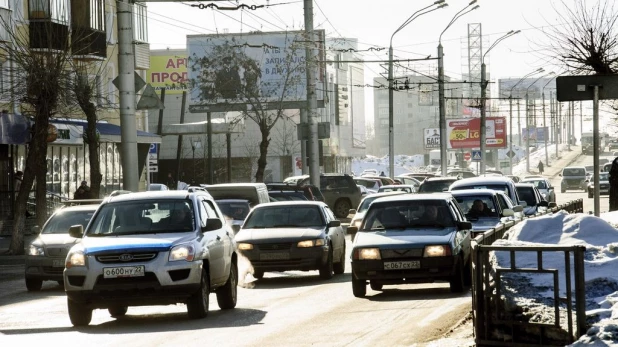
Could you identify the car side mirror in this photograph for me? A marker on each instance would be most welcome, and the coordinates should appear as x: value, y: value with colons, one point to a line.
x: 518, y: 208
x: 36, y: 229
x: 543, y: 203
x: 352, y: 230
x: 552, y: 205
x: 507, y: 212
x: 464, y: 225
x: 76, y: 231
x: 212, y: 224
x: 352, y: 211
x: 334, y: 223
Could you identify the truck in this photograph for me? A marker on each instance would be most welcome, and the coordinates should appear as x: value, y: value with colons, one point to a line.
x: 587, y: 139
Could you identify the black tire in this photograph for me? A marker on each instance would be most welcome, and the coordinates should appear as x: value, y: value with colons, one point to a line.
x: 326, y: 270
x: 258, y: 274
x: 456, y: 281
x: 376, y: 286
x: 79, y: 314
x: 342, y: 208
x: 33, y: 285
x: 197, y: 305
x: 359, y: 287
x: 228, y: 294
x: 339, y: 267
x: 117, y: 311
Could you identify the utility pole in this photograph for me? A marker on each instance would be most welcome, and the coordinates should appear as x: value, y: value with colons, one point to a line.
x: 303, y: 143
x: 314, y: 168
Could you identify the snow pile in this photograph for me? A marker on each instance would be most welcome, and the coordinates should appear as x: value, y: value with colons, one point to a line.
x: 600, y: 262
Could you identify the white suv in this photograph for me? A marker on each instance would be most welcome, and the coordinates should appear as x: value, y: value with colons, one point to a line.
x: 151, y: 248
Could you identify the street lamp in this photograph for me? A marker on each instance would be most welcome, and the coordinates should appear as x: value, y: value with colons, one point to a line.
x: 195, y: 144
x: 544, y: 124
x: 391, y: 134
x: 528, y: 123
x: 441, y: 101
x: 484, y: 84
x: 511, y: 115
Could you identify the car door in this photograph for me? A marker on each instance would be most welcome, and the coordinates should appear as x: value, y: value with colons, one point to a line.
x: 336, y: 234
x: 217, y: 244
x: 463, y: 237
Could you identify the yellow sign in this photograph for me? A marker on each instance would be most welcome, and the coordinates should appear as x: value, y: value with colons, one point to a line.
x: 169, y: 71
x: 461, y: 134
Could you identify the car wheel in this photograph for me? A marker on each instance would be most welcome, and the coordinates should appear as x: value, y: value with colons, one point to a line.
x: 197, y: 305
x: 258, y: 274
x: 457, y: 280
x: 342, y: 208
x: 339, y: 267
x: 117, y: 311
x: 375, y: 286
x: 326, y: 270
x: 227, y: 295
x: 359, y: 287
x: 79, y: 314
x: 33, y: 285
x: 590, y: 194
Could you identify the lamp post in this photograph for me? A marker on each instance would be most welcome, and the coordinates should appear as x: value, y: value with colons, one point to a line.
x: 545, y: 135
x: 441, y: 101
x: 195, y: 144
x: 484, y: 84
x: 511, y: 115
x: 528, y: 123
x: 391, y: 132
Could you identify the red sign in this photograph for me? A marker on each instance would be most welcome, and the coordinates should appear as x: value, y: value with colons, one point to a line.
x: 465, y: 133
x: 467, y: 156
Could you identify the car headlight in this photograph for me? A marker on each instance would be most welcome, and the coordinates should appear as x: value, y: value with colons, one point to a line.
x: 182, y: 252
x: 367, y: 254
x: 36, y: 250
x: 245, y: 246
x: 437, y: 251
x: 310, y: 243
x: 76, y: 258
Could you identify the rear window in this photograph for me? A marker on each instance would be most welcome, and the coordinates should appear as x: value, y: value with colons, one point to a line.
x: 570, y: 171
x: 434, y: 186
x: 498, y: 187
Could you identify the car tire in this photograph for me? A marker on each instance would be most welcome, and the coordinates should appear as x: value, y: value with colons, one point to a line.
x: 359, y: 287
x: 376, y: 286
x: 228, y: 294
x: 339, y: 267
x: 79, y: 314
x: 342, y: 208
x: 456, y: 281
x: 258, y: 274
x: 117, y: 311
x: 326, y: 270
x: 33, y: 285
x: 197, y: 305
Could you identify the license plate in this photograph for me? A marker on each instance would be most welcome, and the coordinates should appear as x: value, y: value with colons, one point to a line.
x: 123, y: 271
x: 58, y: 263
x: 402, y: 265
x: 275, y: 256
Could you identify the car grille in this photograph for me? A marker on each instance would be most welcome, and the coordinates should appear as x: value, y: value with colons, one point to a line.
x: 401, y: 253
x: 275, y: 246
x: 59, y: 252
x: 573, y: 182
x: 53, y: 270
x: 118, y: 258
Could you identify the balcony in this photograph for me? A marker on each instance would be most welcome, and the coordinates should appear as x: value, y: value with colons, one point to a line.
x: 46, y: 35
x: 88, y: 44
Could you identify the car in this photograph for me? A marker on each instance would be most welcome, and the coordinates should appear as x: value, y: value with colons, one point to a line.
x: 370, y: 172
x: 613, y: 145
x: 437, y: 184
x: 607, y: 167
x: 409, y: 180
x: 398, y: 187
x: 151, y: 248
x: 533, y: 198
x: 411, y: 238
x: 420, y: 176
x: 461, y: 173
x: 235, y: 211
x: 383, y: 180
x: 503, y: 184
x: 287, y: 195
x: 294, y: 235
x: 573, y: 177
x: 46, y: 253
x: 544, y: 186
x: 494, y: 172
x: 157, y: 186
x: 492, y: 208
x: 515, y: 178
x: 369, y: 183
x: 603, y: 184
x: 339, y: 190
x: 359, y: 213
x: 310, y: 191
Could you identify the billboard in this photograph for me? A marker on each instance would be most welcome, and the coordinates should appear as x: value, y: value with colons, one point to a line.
x: 169, y: 71
x: 234, y: 72
x: 518, y: 87
x: 431, y: 138
x: 465, y: 133
x: 537, y: 134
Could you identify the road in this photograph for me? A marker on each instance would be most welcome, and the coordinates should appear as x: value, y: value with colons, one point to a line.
x: 283, y: 309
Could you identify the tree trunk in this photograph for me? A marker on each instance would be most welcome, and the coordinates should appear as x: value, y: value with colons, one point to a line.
x: 259, y: 174
x: 93, y: 153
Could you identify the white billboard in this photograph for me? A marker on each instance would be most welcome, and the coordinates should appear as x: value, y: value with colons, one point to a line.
x: 238, y: 71
x: 432, y: 138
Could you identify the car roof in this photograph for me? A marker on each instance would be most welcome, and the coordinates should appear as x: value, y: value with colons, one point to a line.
x: 441, y: 178
x: 397, y: 186
x: 482, y: 180
x: 166, y: 194
x: 88, y: 207
x: 232, y: 200
x: 465, y: 192
x: 290, y: 203
x: 524, y: 185
x: 422, y: 196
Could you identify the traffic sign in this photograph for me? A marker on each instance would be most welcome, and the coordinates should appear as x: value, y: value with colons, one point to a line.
x: 511, y: 154
x: 467, y: 156
x: 476, y: 156
x: 153, y: 168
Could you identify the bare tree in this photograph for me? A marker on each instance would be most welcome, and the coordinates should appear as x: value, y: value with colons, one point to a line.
x: 284, y: 141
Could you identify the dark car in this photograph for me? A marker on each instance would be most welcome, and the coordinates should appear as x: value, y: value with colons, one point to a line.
x: 603, y: 184
x: 310, y: 191
x: 411, y: 238
x: 298, y: 235
x: 437, y: 184
x: 534, y: 200
x: 339, y: 190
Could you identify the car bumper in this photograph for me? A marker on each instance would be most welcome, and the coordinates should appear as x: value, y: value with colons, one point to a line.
x: 303, y: 259
x: 44, y: 268
x: 431, y: 269
x: 601, y: 190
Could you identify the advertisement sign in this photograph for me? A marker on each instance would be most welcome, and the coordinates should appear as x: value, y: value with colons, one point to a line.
x: 518, y: 88
x: 169, y: 71
x: 249, y: 69
x: 537, y: 134
x: 465, y: 133
x: 431, y: 137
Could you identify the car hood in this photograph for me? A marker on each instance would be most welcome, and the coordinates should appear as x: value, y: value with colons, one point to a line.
x: 143, y: 243
x: 56, y: 239
x: 398, y: 238
x: 280, y: 235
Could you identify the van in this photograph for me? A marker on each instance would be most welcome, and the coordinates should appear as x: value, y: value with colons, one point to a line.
x: 573, y: 177
x: 255, y: 193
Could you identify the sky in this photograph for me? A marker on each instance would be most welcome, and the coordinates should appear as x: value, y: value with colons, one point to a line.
x: 373, y: 23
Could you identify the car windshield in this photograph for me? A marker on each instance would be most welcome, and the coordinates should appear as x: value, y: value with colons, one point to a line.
x: 234, y: 210
x: 407, y: 214
x: 476, y: 206
x: 434, y: 186
x: 285, y: 216
x: 60, y: 222
x: 496, y: 187
x: 143, y: 217
x: 574, y: 172
x: 527, y: 194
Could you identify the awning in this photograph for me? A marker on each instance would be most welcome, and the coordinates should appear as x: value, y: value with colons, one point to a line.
x: 107, y: 132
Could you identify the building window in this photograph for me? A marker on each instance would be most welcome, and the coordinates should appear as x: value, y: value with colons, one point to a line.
x: 97, y: 15
x: 55, y: 10
x: 140, y: 23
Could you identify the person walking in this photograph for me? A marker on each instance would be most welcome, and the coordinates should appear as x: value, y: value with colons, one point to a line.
x: 540, y: 167
x: 171, y: 183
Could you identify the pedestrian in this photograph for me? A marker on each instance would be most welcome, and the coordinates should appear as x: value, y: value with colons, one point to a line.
x: 382, y: 174
x: 82, y: 192
x: 171, y: 183
x: 540, y: 166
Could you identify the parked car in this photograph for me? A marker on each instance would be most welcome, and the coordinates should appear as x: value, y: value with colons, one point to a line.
x: 603, y: 184
x: 486, y: 208
x: 359, y: 212
x: 310, y: 191
x: 157, y: 186
x: 437, y: 184
x: 46, y: 253
x: 151, y: 248
x: 544, y: 186
x: 411, y: 238
x: 534, y: 201
x: 235, y: 211
x: 503, y: 184
x: 298, y: 235
x: 339, y: 190
x: 573, y: 177
x: 398, y: 187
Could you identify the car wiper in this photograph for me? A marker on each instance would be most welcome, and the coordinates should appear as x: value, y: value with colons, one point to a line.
x: 288, y: 226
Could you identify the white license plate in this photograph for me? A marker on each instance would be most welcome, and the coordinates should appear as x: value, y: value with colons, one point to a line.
x: 275, y: 256
x: 123, y: 271
x: 402, y: 265
x: 58, y: 263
